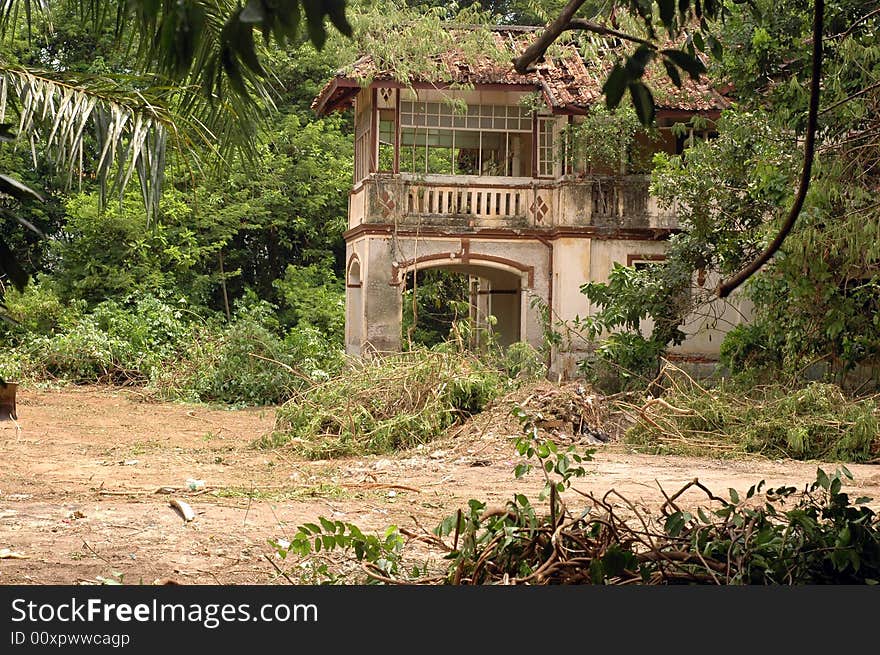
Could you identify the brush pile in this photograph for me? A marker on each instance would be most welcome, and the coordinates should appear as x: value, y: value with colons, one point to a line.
x: 817, y: 421
x: 380, y: 405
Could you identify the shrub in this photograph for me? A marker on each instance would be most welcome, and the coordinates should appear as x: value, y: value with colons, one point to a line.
x: 249, y: 363
x: 114, y: 343
x: 37, y: 310
x: 623, y: 361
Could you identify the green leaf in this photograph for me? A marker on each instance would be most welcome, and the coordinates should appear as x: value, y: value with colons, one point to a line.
x: 336, y: 12
x: 835, y: 486
x: 17, y: 190
x: 315, y: 22
x: 246, y: 50
x: 734, y: 496
x: 232, y: 70
x: 614, y: 86
x: 674, y: 524
x: 715, y: 46
x: 616, y: 561
x: 667, y: 11
x: 672, y: 71
x: 636, y: 63
x: 690, y: 64
x: 822, y: 479
x: 327, y: 525
x: 643, y: 102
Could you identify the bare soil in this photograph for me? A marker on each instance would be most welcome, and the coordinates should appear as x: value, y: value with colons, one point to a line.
x: 85, y: 487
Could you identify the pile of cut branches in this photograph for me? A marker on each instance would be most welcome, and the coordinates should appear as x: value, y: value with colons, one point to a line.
x: 389, y: 402
x: 569, y: 412
x: 820, y: 539
x: 766, y: 537
x: 818, y: 421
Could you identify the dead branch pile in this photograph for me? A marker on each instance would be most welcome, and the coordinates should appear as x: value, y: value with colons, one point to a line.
x: 568, y: 413
x: 779, y: 537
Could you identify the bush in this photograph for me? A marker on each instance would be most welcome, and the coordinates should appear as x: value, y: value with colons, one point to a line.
x: 624, y: 361
x: 248, y: 362
x: 748, y: 346
x: 37, y: 310
x: 114, y: 343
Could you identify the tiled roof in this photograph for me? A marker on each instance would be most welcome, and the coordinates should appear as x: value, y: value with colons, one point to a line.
x: 568, y: 82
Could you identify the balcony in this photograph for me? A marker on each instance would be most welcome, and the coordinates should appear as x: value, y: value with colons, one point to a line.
x: 484, y: 202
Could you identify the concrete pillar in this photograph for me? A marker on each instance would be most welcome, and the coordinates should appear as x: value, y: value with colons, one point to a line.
x: 382, y: 302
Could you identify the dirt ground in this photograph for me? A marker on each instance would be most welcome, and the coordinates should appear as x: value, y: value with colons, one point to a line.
x: 85, y: 487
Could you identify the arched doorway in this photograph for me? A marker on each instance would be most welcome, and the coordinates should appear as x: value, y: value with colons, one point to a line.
x: 438, y: 293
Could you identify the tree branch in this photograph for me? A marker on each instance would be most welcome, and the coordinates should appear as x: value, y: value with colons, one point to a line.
x: 582, y: 24
x: 855, y: 95
x: 534, y: 52
x: 727, y: 286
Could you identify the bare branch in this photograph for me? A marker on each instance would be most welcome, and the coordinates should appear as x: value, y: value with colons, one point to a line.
x: 534, y: 52
x: 727, y: 286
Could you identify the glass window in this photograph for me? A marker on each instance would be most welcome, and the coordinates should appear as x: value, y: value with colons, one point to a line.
x: 546, y: 156
x: 441, y: 138
x: 386, y: 140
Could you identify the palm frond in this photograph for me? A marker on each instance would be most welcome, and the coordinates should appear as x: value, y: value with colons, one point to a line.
x: 131, y: 128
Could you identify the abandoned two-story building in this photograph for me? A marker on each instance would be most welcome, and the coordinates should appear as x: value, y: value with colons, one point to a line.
x: 464, y: 173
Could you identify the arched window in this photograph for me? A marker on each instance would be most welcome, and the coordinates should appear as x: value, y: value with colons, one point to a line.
x: 353, y: 278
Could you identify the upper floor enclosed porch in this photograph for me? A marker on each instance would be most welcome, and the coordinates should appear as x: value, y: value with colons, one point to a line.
x: 481, y: 146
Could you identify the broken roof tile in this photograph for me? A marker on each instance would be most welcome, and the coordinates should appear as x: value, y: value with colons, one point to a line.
x: 570, y: 84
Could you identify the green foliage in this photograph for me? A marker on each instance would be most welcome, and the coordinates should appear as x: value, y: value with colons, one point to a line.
x: 623, y: 358
x: 727, y: 189
x: 37, y: 310
x: 287, y: 208
x: 166, y: 346
x: 750, y: 347
x: 388, y: 402
x: 432, y: 304
x: 520, y: 360
x: 557, y: 466
x: 313, y: 297
x: 408, y: 41
x: 249, y: 361
x: 610, y: 153
x: 624, y: 361
x: 110, y: 253
x: 817, y: 421
x: 381, y: 555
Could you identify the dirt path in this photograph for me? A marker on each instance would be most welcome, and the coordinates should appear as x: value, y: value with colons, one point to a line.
x: 78, y: 487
